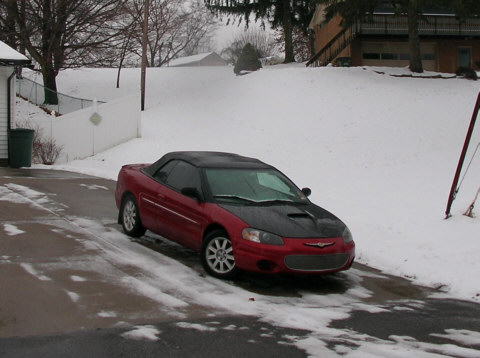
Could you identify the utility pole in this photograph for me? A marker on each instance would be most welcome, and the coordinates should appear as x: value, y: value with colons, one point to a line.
x: 454, y: 189
x: 144, y: 51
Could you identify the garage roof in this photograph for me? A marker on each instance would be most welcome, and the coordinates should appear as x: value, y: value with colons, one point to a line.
x: 8, y: 56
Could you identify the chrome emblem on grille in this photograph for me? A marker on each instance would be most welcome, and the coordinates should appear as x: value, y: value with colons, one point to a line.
x: 320, y: 245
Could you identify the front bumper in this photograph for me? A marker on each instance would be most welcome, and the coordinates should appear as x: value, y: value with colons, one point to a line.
x: 295, y: 256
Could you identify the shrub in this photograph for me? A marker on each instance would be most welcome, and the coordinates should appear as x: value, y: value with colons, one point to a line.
x: 467, y: 73
x: 45, y: 151
x: 248, y: 60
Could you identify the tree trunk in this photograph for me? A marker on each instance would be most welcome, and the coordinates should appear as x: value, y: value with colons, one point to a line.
x: 118, y: 72
x: 413, y: 38
x: 10, y: 26
x: 50, y: 83
x: 288, y: 33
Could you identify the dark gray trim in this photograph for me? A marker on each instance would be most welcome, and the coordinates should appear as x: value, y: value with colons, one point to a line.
x: 8, y: 62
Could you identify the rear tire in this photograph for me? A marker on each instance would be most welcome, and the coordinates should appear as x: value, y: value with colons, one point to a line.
x: 130, y: 217
x: 217, y: 255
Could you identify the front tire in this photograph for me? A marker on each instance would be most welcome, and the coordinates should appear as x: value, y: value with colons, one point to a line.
x: 217, y: 255
x: 130, y: 217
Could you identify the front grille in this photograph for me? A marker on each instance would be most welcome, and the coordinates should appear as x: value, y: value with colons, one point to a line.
x: 316, y: 262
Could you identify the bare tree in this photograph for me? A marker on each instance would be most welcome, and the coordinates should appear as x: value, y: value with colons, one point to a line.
x: 263, y: 44
x: 175, y: 27
x: 60, y: 34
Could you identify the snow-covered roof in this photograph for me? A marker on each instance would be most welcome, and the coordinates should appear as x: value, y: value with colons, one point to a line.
x: 190, y: 59
x: 9, y: 56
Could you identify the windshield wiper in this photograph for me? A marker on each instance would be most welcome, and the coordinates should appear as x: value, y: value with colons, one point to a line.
x: 235, y: 197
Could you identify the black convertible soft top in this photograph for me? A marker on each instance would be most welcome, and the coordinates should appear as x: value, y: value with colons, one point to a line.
x: 203, y: 159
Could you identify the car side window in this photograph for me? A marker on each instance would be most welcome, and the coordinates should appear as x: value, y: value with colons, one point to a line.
x: 184, y: 175
x: 163, y: 173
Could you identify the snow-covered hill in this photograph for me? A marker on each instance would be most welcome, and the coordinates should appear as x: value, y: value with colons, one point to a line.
x: 379, y: 151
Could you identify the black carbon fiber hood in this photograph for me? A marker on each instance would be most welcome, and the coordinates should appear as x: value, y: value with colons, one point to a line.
x: 293, y: 221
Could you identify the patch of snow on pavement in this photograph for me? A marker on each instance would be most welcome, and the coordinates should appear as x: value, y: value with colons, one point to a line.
x: 29, y: 268
x: 76, y: 278
x: 196, y: 326
x: 94, y: 187
x: 462, y: 336
x: 107, y: 314
x: 73, y: 296
x: 149, y: 333
x: 10, y: 196
x: 12, y: 230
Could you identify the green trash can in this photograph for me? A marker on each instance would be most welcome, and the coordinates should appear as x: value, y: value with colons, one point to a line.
x: 344, y: 62
x: 20, y: 147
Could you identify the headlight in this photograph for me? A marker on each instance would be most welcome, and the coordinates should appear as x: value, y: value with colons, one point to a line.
x: 347, y: 236
x: 261, y: 237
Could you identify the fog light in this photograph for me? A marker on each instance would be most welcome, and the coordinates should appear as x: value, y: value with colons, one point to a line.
x: 266, y: 265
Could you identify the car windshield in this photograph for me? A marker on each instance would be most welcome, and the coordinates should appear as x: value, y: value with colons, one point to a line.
x: 247, y: 186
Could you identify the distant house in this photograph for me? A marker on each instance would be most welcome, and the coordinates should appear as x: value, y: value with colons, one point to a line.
x: 10, y: 60
x: 203, y: 59
x: 445, y: 42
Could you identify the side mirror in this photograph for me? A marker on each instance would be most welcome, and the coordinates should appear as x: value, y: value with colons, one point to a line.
x: 192, y: 193
x: 307, y: 191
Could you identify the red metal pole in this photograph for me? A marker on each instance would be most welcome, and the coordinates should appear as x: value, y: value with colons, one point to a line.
x: 454, y: 189
x: 144, y: 53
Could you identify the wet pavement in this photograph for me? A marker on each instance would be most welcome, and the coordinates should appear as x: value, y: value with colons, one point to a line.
x: 64, y: 263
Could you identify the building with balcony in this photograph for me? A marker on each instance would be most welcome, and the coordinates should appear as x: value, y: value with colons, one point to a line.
x: 381, y: 39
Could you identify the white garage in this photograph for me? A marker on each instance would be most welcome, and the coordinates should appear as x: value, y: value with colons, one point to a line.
x: 10, y: 60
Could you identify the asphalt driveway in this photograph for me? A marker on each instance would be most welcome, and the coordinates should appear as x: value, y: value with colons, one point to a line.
x: 69, y: 278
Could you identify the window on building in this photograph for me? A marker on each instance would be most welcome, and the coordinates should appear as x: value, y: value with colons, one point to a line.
x: 389, y: 56
x: 371, y: 56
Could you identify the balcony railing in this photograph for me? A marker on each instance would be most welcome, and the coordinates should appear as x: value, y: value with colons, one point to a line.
x: 429, y: 25
x: 334, y: 46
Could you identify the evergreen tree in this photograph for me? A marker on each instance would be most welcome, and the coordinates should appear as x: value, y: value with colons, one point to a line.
x: 285, y: 14
x: 248, y: 60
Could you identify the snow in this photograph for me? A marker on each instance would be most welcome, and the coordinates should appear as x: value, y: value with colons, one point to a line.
x: 462, y: 336
x: 196, y: 326
x: 76, y: 278
x: 107, y: 314
x: 378, y: 151
x: 8, y: 53
x: 12, y: 230
x: 29, y: 268
x: 148, y: 333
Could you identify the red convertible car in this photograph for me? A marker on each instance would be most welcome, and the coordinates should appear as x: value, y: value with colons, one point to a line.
x: 238, y: 212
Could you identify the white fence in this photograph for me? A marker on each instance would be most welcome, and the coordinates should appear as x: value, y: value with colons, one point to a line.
x: 92, y: 130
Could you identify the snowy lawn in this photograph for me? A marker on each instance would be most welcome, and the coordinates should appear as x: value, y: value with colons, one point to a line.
x: 378, y: 151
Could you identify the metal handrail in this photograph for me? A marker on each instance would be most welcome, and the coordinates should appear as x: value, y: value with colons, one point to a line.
x: 334, y: 46
x: 439, y: 25
x: 393, y: 24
